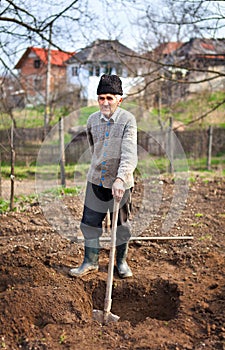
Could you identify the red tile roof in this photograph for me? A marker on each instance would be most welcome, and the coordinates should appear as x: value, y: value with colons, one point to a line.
x: 167, y: 48
x: 195, y: 48
x: 58, y: 58
x: 207, y: 46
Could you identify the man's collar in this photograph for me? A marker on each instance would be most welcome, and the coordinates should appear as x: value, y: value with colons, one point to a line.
x: 113, y: 117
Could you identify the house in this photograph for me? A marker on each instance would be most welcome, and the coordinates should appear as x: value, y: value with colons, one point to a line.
x: 201, y: 61
x: 102, y: 57
x: 156, y: 89
x: 151, y: 60
x: 201, y: 51
x: 175, y: 71
x: 157, y: 75
x: 32, y: 68
x: 167, y: 48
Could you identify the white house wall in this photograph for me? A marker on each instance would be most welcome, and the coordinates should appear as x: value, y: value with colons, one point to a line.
x: 92, y: 90
x: 89, y: 84
x: 208, y: 83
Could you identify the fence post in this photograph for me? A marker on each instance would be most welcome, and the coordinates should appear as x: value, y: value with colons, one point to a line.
x: 62, y: 152
x: 0, y: 174
x: 209, y: 148
x: 12, y: 176
x: 170, y: 146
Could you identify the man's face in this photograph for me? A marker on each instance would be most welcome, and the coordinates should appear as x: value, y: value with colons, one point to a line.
x: 108, y: 103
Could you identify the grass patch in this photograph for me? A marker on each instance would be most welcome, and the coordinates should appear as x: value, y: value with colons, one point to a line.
x: 4, y: 206
x: 85, y: 112
x: 217, y: 162
x: 206, y: 237
x: 183, y: 111
x: 189, y: 110
x: 22, y: 202
x: 21, y: 171
x: 149, y: 165
x: 61, y: 191
x: 198, y: 215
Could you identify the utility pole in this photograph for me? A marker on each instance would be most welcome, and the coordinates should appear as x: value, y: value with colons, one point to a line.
x: 48, y: 83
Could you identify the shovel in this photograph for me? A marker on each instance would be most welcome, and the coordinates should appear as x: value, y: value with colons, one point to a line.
x: 107, y: 316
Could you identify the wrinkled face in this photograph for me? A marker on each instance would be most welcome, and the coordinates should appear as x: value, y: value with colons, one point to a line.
x: 108, y: 103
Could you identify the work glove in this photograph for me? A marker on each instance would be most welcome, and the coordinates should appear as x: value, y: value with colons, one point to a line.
x: 118, y: 189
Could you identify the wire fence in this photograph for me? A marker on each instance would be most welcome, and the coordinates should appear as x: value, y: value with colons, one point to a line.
x: 196, y: 144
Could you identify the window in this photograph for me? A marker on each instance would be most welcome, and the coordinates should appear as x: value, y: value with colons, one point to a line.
x: 97, y: 71
x: 119, y: 71
x: 37, y: 63
x: 91, y: 71
x: 178, y: 75
x: 74, y: 71
x: 107, y: 69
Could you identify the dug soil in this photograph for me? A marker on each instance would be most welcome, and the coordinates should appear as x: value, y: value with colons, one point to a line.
x: 175, y: 299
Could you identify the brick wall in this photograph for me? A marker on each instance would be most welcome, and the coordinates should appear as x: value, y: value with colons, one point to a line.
x: 29, y: 74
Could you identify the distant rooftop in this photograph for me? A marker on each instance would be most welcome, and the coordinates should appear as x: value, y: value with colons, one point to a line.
x: 58, y: 58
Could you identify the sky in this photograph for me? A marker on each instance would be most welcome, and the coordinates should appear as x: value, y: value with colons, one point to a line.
x: 124, y: 18
x: 119, y: 21
x: 111, y: 20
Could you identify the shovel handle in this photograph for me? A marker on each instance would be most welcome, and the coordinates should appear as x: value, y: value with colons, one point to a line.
x: 108, y: 295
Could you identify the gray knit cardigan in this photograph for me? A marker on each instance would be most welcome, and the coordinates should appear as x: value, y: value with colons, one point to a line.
x: 113, y: 144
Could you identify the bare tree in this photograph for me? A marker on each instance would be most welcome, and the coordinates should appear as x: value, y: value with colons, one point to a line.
x: 24, y: 23
x: 167, y: 76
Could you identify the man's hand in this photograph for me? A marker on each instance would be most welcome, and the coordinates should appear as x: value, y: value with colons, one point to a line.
x: 118, y: 189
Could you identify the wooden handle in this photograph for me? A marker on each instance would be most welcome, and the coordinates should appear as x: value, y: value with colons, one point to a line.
x: 108, y: 295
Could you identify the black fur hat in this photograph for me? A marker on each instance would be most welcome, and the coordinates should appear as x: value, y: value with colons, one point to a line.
x: 110, y: 84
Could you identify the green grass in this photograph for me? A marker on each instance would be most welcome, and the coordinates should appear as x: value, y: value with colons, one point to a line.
x: 61, y: 191
x: 184, y: 111
x: 153, y: 165
x: 27, y: 118
x: 189, y: 110
x: 217, y: 163
x: 21, y: 171
x: 198, y: 215
x: 146, y: 168
x: 4, y: 206
x: 84, y: 114
x: 21, y: 202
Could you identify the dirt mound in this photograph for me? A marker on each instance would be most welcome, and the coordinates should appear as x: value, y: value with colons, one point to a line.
x: 175, y: 300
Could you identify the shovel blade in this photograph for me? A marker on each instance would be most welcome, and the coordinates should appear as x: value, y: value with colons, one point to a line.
x: 104, y: 317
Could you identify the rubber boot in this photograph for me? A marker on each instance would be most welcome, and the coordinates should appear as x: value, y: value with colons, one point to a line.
x: 90, y: 262
x: 122, y: 266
